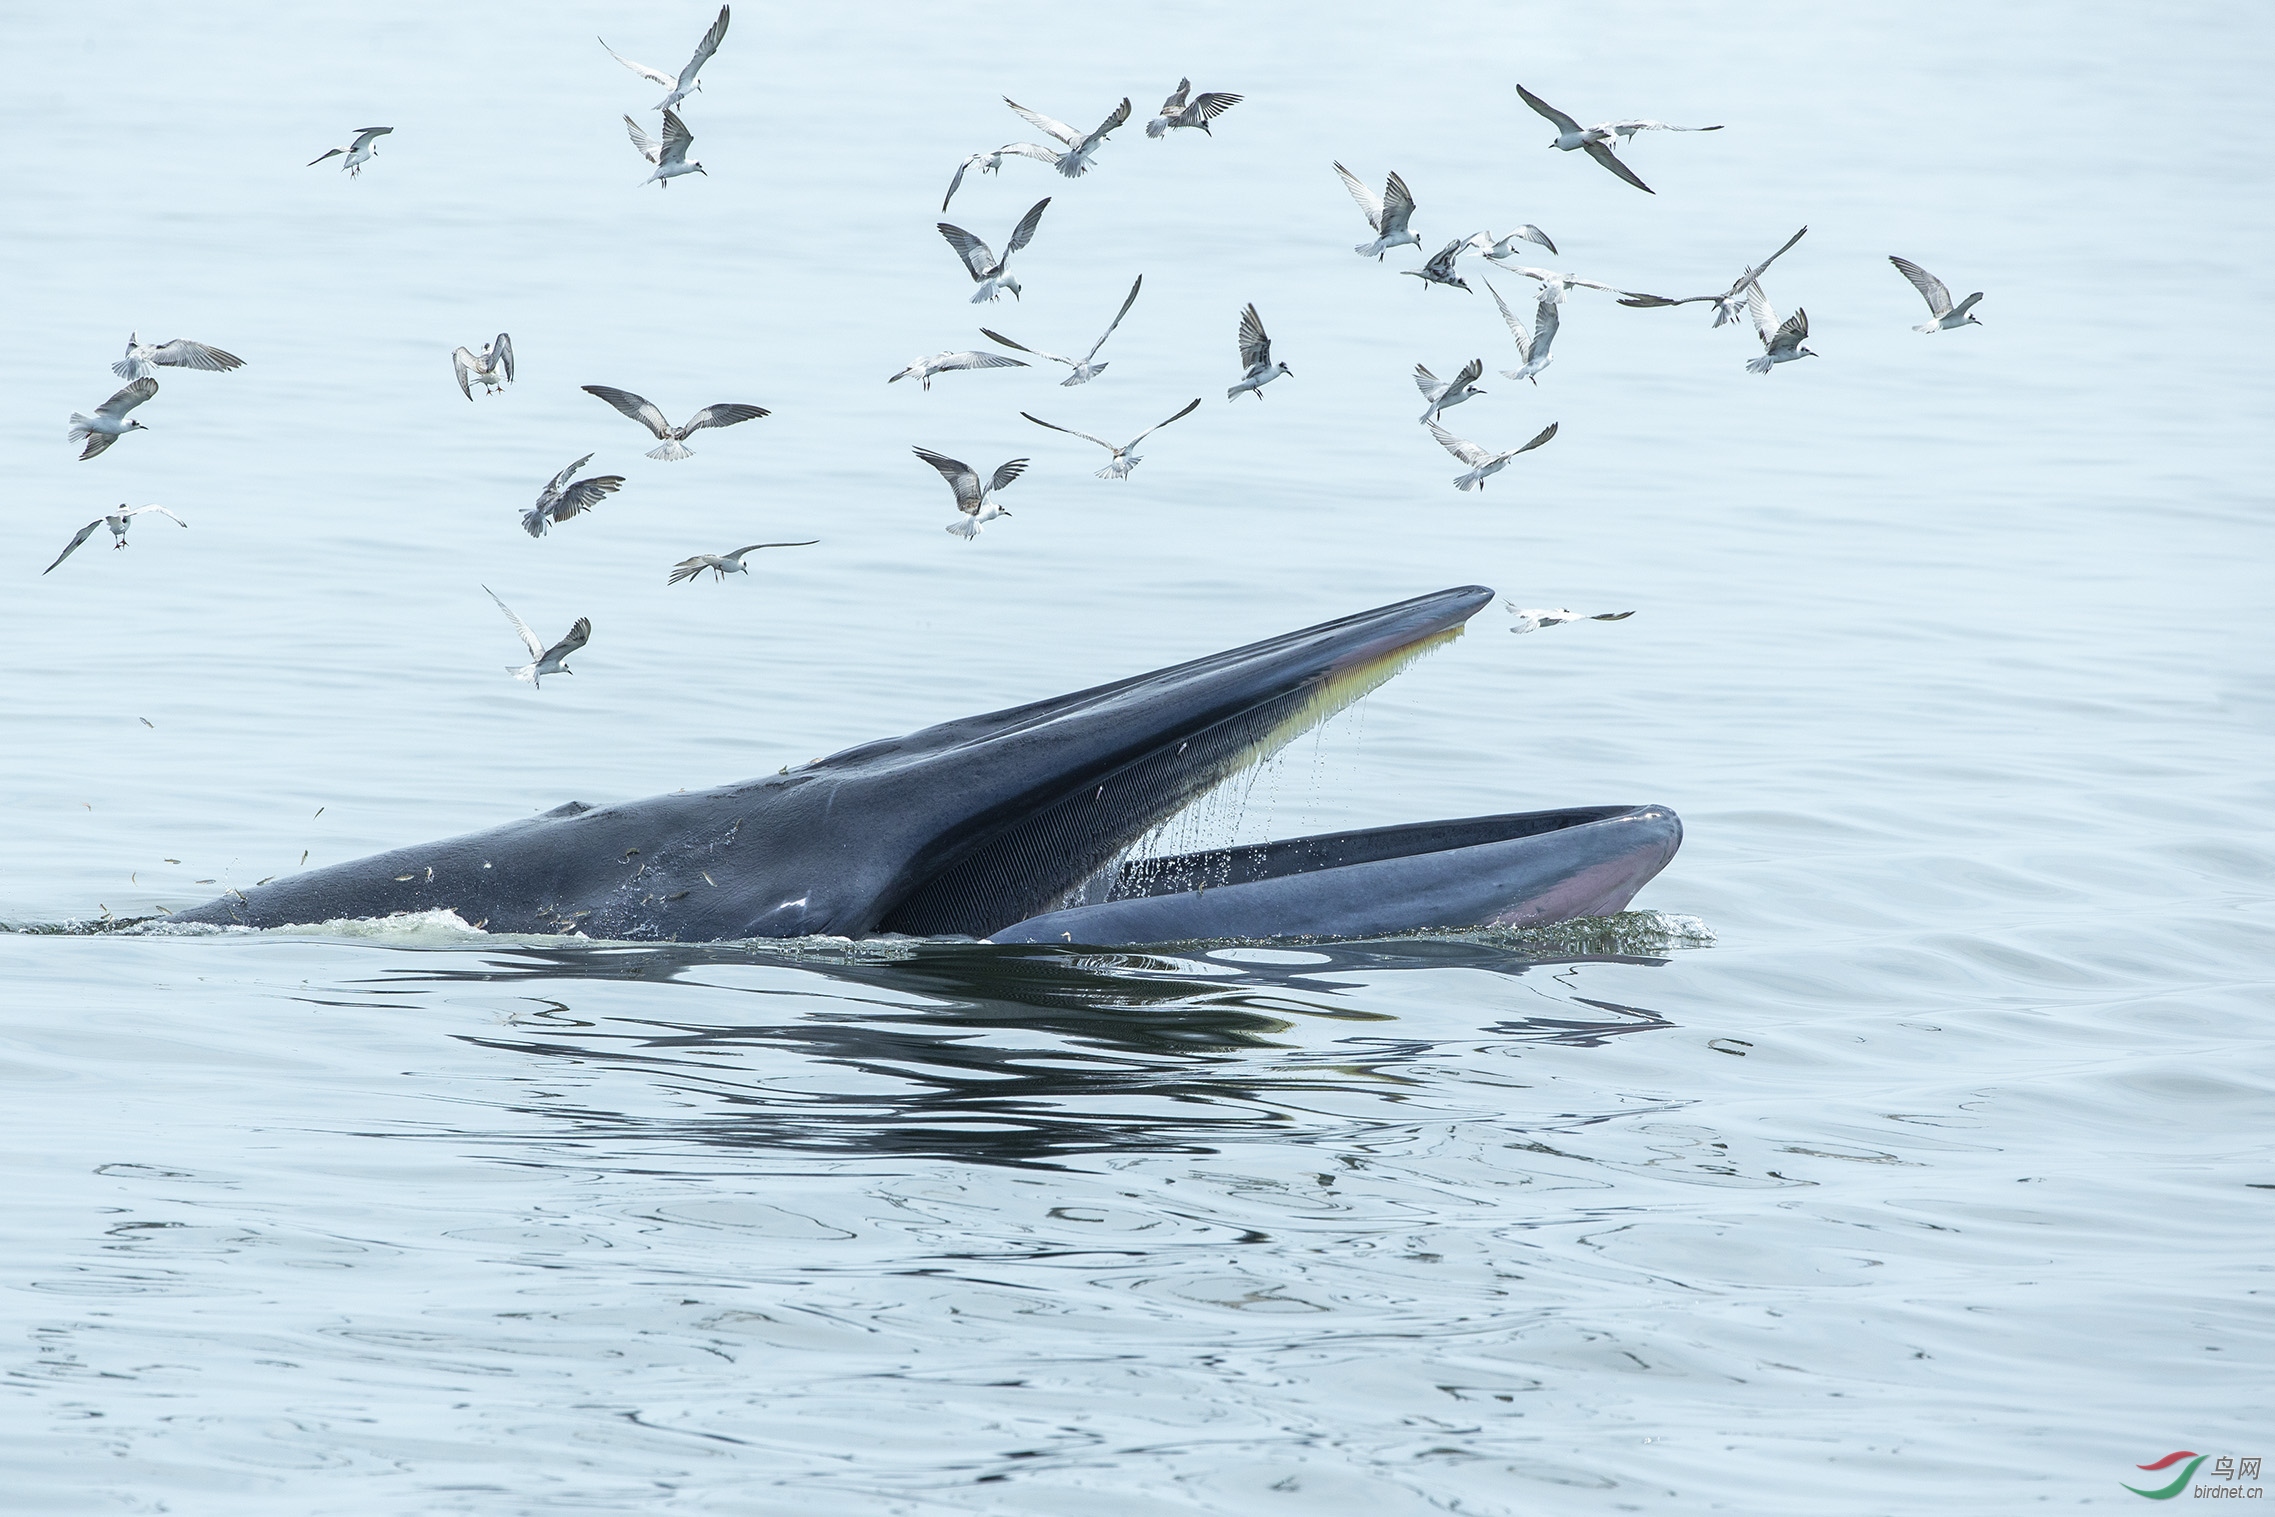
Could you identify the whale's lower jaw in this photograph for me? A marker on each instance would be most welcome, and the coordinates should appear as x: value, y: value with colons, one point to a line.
x: 1527, y: 868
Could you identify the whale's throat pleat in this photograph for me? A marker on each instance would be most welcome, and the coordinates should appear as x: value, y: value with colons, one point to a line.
x: 1008, y: 870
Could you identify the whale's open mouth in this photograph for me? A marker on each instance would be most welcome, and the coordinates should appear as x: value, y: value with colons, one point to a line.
x: 1190, y: 730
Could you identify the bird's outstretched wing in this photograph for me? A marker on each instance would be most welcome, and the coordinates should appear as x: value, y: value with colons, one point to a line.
x: 72, y: 546
x: 1176, y: 100
x: 461, y: 362
x: 1631, y: 127
x: 1603, y: 154
x: 1795, y: 330
x: 579, y: 635
x: 653, y: 75
x: 181, y: 353
x: 128, y: 398
x: 1069, y: 431
x: 754, y: 547
x: 1546, y: 318
x: 1127, y: 302
x: 1397, y: 204
x: 1763, y: 313
x: 1215, y: 103
x: 1468, y: 452
x: 1426, y: 382
x: 1370, y: 204
x: 1545, y: 434
x: 995, y: 336
x: 977, y: 256
x: 162, y: 511
x: 1120, y: 114
x: 552, y: 492
x: 528, y: 638
x: 726, y: 414
x: 1471, y: 372
x: 1563, y: 122
x: 364, y: 134
x: 585, y: 494
x: 1762, y: 268
x: 641, y: 140
x: 328, y: 153
x: 638, y: 408
x: 1255, y: 345
x: 961, y: 477
x: 1190, y: 407
x: 1932, y: 290
x: 1517, y: 329
x: 1024, y: 232
x: 1043, y: 123
x: 1005, y: 473
x: 947, y: 361
x: 703, y: 51
x: 503, y: 348
x: 688, y: 568
x: 677, y: 139
x: 1643, y: 302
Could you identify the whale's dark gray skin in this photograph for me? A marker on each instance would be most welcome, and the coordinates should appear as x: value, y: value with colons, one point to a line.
x: 1012, y: 825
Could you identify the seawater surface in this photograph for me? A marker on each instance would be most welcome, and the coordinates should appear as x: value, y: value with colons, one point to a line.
x: 1907, y: 1149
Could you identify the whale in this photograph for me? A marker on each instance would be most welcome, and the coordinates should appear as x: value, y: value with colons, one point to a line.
x: 1024, y: 825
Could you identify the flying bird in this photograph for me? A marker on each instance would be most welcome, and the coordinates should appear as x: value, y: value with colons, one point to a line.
x: 1177, y: 112
x: 491, y: 368
x: 359, y: 152
x: 1256, y: 357
x: 1442, y: 394
x: 117, y: 521
x: 1124, y: 460
x: 987, y: 163
x: 1946, y: 315
x: 1502, y: 249
x: 1440, y: 270
x: 181, y: 353
x: 560, y: 500
x: 1731, y: 303
x: 725, y: 414
x: 685, y: 84
x: 670, y: 155
x: 987, y: 270
x: 1482, y: 465
x: 978, y: 503
x: 723, y: 564
x: 1525, y: 619
x: 1084, y: 369
x: 941, y: 363
x: 1532, y: 345
x: 109, y: 422
x: 1388, y: 215
x: 1781, y: 342
x: 1080, y: 146
x: 1598, y: 141
x: 543, y: 660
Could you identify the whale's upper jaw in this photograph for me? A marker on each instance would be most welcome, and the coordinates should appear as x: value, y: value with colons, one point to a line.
x: 991, y: 819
